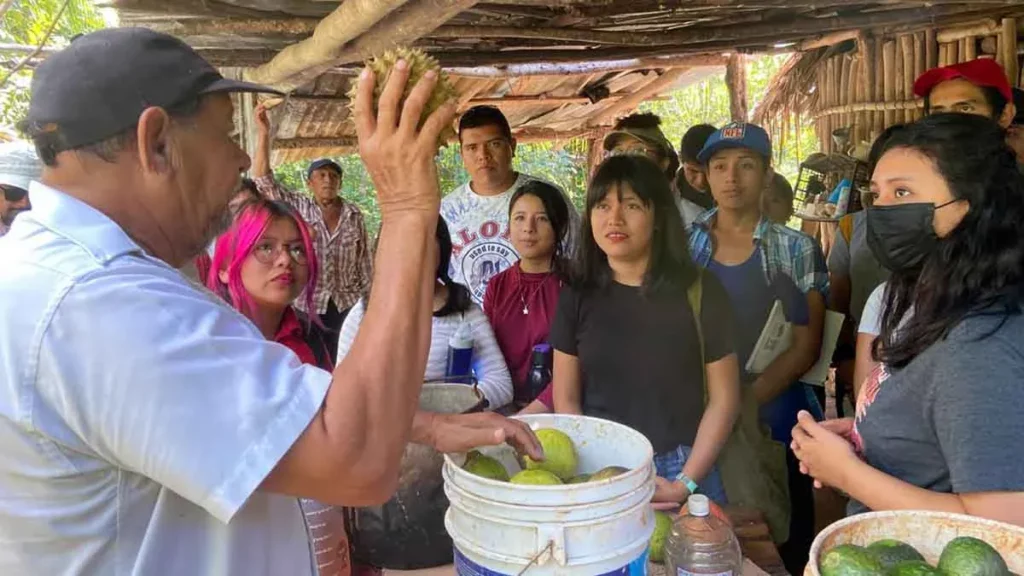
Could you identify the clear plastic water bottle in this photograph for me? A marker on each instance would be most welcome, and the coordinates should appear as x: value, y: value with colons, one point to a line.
x: 460, y: 355
x: 701, y: 544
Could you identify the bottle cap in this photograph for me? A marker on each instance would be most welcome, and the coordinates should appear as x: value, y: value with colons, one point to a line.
x: 698, y: 505
x: 545, y: 348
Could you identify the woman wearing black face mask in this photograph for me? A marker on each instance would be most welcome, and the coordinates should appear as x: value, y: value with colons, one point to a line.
x: 938, y: 423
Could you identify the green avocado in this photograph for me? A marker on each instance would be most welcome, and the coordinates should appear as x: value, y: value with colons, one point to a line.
x: 850, y: 560
x: 966, y: 556
x: 915, y: 568
x: 889, y: 553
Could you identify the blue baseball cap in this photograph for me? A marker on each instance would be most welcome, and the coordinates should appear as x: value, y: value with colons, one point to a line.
x: 323, y: 163
x: 737, y: 135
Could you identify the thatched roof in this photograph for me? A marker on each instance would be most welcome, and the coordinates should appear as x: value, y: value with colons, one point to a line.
x: 558, y: 68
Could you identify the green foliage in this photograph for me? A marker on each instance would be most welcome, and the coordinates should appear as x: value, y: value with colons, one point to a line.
x: 26, y: 22
x: 707, y: 101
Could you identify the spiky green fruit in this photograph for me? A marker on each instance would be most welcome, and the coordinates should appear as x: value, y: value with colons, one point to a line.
x: 419, y: 63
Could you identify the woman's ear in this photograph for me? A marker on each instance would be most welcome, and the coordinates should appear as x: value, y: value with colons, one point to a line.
x: 223, y: 277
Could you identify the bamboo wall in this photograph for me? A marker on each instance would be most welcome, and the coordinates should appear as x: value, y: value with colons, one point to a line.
x: 872, y: 88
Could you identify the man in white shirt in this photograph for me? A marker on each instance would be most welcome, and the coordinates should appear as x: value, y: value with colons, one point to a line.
x: 477, y: 211
x: 145, y: 426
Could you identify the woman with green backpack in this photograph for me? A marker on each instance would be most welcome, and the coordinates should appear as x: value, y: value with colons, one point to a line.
x: 626, y: 328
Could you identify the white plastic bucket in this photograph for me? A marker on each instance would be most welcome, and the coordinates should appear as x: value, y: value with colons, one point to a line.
x: 595, y: 528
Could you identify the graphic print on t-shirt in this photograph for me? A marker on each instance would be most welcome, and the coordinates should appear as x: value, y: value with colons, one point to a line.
x: 867, y: 397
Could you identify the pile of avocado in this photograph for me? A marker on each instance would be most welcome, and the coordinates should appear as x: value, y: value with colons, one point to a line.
x: 964, y: 556
x: 559, y: 465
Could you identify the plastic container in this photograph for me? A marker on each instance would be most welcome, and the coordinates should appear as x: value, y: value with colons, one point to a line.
x: 589, y: 529
x: 408, y: 532
x: 460, y: 356
x: 929, y: 532
x: 701, y: 543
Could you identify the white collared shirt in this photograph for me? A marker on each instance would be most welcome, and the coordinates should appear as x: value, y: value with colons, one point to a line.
x: 138, y: 414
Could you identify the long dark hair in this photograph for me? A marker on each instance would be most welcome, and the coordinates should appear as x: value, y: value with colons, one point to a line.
x: 458, y: 295
x: 671, y: 270
x: 459, y: 299
x: 979, y: 267
x: 557, y: 210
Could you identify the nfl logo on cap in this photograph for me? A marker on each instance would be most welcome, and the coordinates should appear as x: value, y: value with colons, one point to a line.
x: 734, y: 131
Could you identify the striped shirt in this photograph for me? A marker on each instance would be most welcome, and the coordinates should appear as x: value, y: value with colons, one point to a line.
x: 344, y: 254
x: 783, y: 251
x: 489, y: 367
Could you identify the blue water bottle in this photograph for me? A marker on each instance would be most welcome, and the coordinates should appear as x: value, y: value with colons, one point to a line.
x: 460, y: 356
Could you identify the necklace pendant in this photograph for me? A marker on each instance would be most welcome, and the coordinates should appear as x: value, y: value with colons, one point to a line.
x: 526, y: 310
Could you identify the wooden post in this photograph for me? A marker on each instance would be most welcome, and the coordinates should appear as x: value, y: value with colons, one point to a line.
x: 898, y: 74
x: 954, y: 52
x: 931, y: 48
x: 1010, y: 50
x: 736, y: 80
x: 889, y: 79
x: 821, y: 105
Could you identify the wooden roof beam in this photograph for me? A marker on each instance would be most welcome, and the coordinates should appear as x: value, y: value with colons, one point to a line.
x: 626, y: 105
x: 290, y: 68
x: 419, y: 18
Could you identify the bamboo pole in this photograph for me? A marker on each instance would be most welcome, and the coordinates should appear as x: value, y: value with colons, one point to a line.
x: 856, y: 97
x: 1010, y: 50
x: 867, y: 51
x: 844, y: 88
x: 889, y: 79
x: 954, y: 52
x: 819, y: 121
x: 943, y: 55
x: 956, y: 33
x: 908, y: 77
x: 931, y: 49
x: 1000, y: 50
x: 899, y: 73
x: 962, y: 49
x: 971, y: 49
x: 879, y: 89
x: 920, y: 57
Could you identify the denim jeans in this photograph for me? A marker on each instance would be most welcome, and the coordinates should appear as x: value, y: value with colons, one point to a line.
x: 670, y: 464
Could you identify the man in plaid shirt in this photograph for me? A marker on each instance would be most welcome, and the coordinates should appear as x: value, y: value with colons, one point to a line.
x: 339, y: 233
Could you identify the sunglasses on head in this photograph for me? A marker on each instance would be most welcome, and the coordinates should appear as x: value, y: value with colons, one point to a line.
x: 13, y: 193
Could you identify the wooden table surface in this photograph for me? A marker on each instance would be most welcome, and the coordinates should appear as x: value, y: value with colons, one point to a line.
x: 755, y: 541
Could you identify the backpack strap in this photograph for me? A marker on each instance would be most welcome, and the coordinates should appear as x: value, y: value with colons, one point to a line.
x: 846, y: 227
x: 695, y: 295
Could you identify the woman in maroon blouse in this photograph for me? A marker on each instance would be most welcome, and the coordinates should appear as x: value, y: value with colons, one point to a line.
x: 520, y: 302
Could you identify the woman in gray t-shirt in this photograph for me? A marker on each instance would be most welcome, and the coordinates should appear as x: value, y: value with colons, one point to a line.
x: 938, y: 423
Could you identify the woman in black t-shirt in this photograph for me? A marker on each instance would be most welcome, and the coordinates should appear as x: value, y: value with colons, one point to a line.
x: 626, y: 341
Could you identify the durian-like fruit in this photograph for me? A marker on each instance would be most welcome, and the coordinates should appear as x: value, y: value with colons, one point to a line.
x: 419, y: 63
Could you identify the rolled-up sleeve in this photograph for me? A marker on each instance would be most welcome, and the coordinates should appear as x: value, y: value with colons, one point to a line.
x: 161, y: 379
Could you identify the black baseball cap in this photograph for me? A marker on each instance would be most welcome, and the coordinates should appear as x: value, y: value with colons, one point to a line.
x: 101, y: 83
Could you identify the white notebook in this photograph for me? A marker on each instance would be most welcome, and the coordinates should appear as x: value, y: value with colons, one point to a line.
x: 777, y: 336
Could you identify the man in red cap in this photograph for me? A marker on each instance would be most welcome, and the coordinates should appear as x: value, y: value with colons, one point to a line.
x: 976, y: 87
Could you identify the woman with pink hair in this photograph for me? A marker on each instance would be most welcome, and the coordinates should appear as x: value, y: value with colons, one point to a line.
x: 260, y: 266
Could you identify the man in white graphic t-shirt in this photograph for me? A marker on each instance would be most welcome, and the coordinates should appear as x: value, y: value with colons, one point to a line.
x: 477, y: 211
